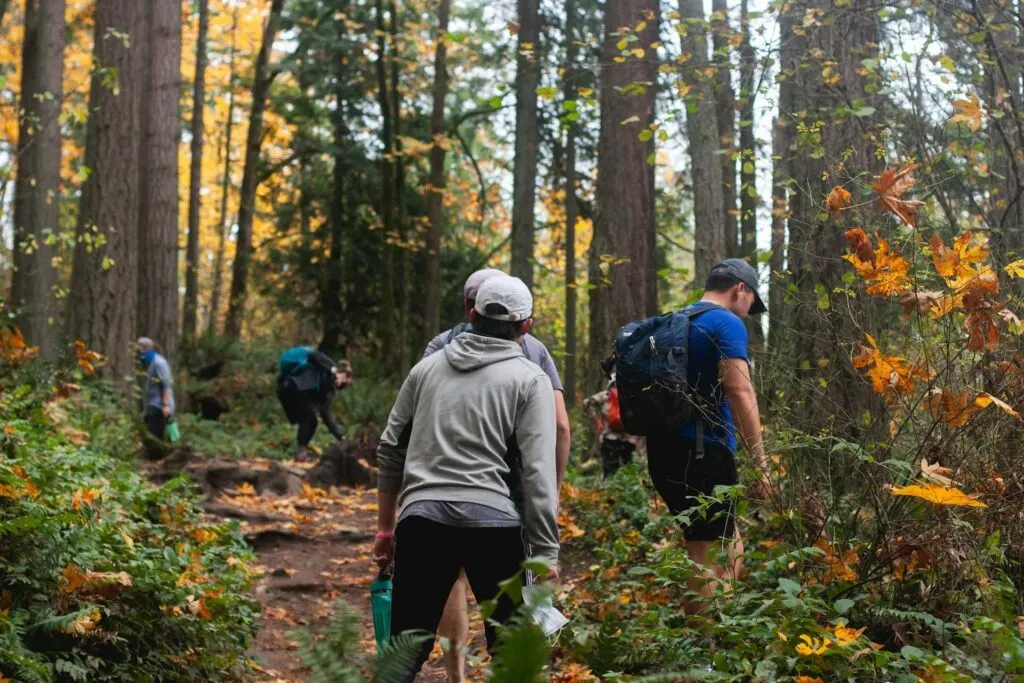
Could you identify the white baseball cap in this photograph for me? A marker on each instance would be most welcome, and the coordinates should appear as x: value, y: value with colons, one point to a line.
x: 474, y: 281
x: 509, y: 292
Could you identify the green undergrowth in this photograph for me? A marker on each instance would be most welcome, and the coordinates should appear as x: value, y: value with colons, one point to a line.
x: 104, y: 577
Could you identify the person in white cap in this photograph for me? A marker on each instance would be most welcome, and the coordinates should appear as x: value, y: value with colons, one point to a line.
x: 158, y: 395
x: 444, y: 467
x: 455, y: 623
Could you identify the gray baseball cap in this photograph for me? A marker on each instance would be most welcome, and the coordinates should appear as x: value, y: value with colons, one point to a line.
x: 745, y: 273
x: 511, y: 293
x: 474, y: 281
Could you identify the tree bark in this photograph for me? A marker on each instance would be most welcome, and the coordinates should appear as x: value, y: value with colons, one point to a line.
x: 436, y: 182
x: 189, y: 322
x: 405, y: 269
x: 524, y: 170
x: 330, y: 296
x: 821, y: 318
x: 105, y: 272
x: 218, y: 263
x: 623, y: 242
x: 780, y: 209
x: 571, y: 207
x: 37, y: 192
x: 748, y: 144
x: 158, y: 186
x: 725, y: 114
x: 389, y: 315
x: 702, y: 133
x: 247, y: 194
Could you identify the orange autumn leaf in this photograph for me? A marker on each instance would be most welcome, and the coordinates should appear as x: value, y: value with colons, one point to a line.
x: 890, y: 376
x: 951, y: 408
x: 198, y: 607
x: 568, y: 527
x: 82, y: 624
x: 85, y: 358
x: 838, y: 199
x: 846, y: 635
x: 968, y: 111
x: 860, y: 244
x: 985, y: 400
x: 936, y: 473
x: 85, y: 497
x: 13, y: 348
x: 891, y: 187
x: 573, y: 673
x: 885, y: 270
x: 808, y: 679
x: 940, y: 495
x: 982, y: 331
x: 839, y: 568
x: 203, y: 535
x: 932, y: 304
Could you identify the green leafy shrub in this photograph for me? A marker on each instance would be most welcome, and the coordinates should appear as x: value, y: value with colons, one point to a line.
x: 102, y: 576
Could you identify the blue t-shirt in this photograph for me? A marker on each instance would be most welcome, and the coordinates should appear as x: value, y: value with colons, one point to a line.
x: 715, y: 335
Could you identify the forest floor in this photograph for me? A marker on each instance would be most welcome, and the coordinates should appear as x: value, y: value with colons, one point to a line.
x: 314, y: 550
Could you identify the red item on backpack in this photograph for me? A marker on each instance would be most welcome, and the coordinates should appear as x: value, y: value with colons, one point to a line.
x: 614, y: 418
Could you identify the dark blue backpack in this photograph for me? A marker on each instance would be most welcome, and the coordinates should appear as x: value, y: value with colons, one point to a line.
x: 651, y: 359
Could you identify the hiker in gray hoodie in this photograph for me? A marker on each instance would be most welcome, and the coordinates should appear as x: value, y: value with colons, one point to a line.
x: 461, y: 417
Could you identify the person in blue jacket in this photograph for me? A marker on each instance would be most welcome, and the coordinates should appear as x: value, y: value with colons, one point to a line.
x: 306, y: 383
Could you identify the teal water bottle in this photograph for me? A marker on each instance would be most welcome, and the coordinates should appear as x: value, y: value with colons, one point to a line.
x: 380, y: 605
x: 173, y: 433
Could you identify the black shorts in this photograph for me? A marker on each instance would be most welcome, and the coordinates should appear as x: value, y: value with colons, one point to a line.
x: 679, y: 476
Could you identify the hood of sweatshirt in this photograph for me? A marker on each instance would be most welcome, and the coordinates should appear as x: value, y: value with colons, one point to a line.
x: 468, y: 351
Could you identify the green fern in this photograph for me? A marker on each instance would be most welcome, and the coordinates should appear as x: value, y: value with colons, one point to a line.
x: 330, y: 658
x: 400, y: 655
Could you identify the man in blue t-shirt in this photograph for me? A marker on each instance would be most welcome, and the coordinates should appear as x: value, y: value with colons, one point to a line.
x: 718, y: 370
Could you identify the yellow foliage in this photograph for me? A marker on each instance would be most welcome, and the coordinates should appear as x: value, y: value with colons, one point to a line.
x: 940, y: 495
x: 83, y: 624
x: 968, y: 111
x: 885, y: 270
x: 891, y: 376
x: 812, y: 646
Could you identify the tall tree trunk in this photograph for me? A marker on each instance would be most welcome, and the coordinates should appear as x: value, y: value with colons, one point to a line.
x: 104, y: 276
x: 389, y: 314
x: 780, y: 210
x: 158, y: 185
x: 702, y: 134
x: 330, y: 296
x: 36, y: 196
x: 748, y: 144
x: 822, y: 317
x: 571, y: 207
x: 405, y: 270
x: 188, y: 326
x: 247, y: 194
x: 620, y: 253
x: 725, y: 114
x: 524, y: 170
x: 436, y: 180
x: 222, y: 219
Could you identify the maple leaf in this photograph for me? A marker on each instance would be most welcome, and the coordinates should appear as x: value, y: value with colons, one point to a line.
x: 891, y: 187
x: 203, y: 535
x: 812, y: 646
x: 85, y: 358
x: 808, y: 679
x: 846, y: 635
x: 85, y: 497
x: 936, y: 473
x: 573, y: 673
x: 198, y: 607
x: 951, y: 408
x: 568, y: 526
x: 840, y: 568
x: 82, y: 624
x: 955, y: 265
x: 933, y: 304
x: 885, y: 270
x: 838, y: 199
x: 1015, y: 269
x: 890, y: 375
x: 968, y: 111
x: 982, y: 331
x: 940, y: 495
x: 985, y: 400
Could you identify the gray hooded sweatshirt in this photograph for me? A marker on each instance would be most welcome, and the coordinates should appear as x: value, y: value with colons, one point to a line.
x: 448, y: 434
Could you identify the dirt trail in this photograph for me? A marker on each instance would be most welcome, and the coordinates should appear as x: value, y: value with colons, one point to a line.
x: 314, y: 549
